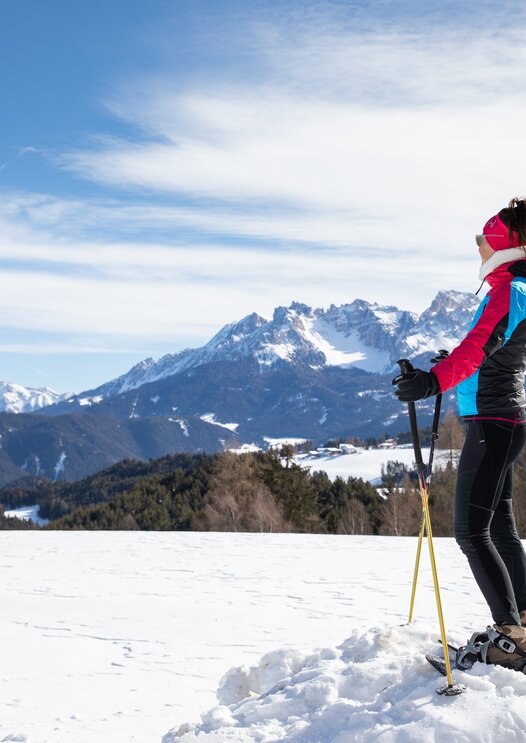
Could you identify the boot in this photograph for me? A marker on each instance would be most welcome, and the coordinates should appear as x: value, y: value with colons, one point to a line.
x: 506, y: 646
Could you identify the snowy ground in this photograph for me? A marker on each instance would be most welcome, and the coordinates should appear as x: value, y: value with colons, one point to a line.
x: 27, y: 513
x: 122, y: 637
x: 368, y: 463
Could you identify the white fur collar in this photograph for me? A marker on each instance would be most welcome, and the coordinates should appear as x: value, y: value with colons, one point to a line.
x: 500, y: 257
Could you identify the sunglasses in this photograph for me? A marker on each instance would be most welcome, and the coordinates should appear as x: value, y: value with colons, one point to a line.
x: 480, y: 238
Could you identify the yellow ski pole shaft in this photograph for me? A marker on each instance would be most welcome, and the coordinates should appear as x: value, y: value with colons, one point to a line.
x: 417, y: 566
x: 425, y: 500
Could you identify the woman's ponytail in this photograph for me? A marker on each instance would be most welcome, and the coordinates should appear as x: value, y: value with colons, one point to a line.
x: 514, y: 217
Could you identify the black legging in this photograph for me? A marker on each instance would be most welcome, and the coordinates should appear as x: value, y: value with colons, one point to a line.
x: 484, y: 523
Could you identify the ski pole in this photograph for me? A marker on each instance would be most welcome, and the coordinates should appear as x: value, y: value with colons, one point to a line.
x: 451, y: 688
x: 406, y: 367
x: 442, y: 354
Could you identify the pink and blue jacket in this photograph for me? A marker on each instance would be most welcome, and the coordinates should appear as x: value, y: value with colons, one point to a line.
x: 488, y: 367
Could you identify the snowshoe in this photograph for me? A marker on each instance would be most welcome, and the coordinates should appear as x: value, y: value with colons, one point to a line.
x: 499, y: 645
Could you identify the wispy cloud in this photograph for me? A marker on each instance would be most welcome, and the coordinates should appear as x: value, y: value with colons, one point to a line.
x: 129, y: 294
x: 21, y: 152
x: 357, y: 161
x: 354, y: 132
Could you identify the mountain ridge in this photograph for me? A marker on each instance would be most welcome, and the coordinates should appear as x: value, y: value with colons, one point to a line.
x: 369, y: 336
x: 306, y: 373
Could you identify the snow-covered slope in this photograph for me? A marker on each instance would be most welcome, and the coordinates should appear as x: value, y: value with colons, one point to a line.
x: 375, y: 686
x: 27, y: 513
x: 368, y: 463
x: 364, y: 335
x: 17, y: 399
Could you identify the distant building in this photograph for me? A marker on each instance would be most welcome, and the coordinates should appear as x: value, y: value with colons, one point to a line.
x: 388, y: 444
x: 348, y: 449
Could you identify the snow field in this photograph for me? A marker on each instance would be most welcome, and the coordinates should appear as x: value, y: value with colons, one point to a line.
x: 27, y: 513
x: 368, y: 463
x: 123, y: 637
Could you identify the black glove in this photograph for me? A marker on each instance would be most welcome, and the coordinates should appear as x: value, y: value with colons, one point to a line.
x: 416, y: 385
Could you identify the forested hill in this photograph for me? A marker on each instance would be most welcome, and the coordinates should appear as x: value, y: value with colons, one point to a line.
x: 223, y: 492
x: 230, y: 492
x: 60, y: 498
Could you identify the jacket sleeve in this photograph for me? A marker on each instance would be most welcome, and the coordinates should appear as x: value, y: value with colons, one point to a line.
x: 484, y: 338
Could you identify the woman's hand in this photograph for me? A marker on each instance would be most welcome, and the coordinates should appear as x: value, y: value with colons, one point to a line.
x: 416, y: 385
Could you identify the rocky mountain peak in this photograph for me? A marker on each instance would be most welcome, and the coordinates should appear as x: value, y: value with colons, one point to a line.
x: 367, y: 335
x: 449, y: 310
x: 14, y: 398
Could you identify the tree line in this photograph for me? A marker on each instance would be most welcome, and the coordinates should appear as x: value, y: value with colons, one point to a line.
x: 262, y: 491
x: 232, y: 492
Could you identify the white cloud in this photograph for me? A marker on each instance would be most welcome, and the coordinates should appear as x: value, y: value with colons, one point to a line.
x: 310, y: 228
x: 354, y: 133
x: 134, y: 295
x: 360, y: 165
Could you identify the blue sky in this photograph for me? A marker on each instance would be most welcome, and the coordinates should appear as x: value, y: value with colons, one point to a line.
x: 168, y: 167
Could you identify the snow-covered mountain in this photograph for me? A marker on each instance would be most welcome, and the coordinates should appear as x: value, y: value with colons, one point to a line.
x: 17, y: 399
x: 305, y: 373
x: 363, y: 335
x: 367, y: 336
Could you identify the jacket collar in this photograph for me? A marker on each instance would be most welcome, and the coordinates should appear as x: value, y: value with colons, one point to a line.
x: 495, y: 269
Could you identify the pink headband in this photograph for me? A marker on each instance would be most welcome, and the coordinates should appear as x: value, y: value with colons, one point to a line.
x: 497, y: 235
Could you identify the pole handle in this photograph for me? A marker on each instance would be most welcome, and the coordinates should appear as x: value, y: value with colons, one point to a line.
x: 406, y: 367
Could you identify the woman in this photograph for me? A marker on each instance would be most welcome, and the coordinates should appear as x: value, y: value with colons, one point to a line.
x: 488, y: 369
